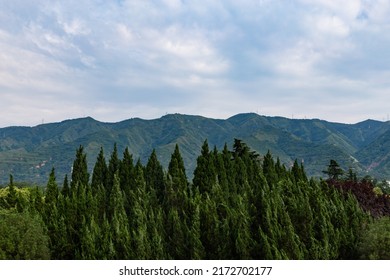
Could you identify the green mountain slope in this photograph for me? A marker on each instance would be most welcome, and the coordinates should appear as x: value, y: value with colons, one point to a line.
x: 29, y: 153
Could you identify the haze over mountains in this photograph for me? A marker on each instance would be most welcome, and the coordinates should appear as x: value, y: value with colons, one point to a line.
x: 29, y: 153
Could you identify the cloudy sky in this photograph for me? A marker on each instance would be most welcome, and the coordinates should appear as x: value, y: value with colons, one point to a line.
x: 118, y: 59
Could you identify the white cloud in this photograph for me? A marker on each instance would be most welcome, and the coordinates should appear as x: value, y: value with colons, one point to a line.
x: 331, y: 25
x: 76, y: 27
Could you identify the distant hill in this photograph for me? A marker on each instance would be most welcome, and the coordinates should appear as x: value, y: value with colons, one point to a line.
x: 29, y: 153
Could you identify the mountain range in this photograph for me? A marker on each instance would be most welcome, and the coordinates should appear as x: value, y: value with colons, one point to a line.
x: 29, y: 153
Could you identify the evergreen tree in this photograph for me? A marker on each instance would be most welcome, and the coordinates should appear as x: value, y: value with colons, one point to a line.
x: 269, y: 169
x: 80, y: 175
x: 105, y: 247
x: 241, y: 229
x: 177, y: 191
x: 127, y: 179
x: 52, y: 191
x: 36, y: 200
x: 113, y: 168
x: 176, y: 166
x: 229, y: 169
x: 118, y: 222
x: 298, y: 172
x: 51, y: 215
x: 154, y: 176
x: 99, y: 175
x: 197, y: 250
x: 156, y: 233
x: 209, y: 227
x: 126, y: 172
x: 334, y: 171
x: 139, y: 216
x: 65, y: 188
x: 176, y: 236
x: 205, y: 174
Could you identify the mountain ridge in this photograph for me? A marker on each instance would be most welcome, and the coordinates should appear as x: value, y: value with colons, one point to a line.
x: 29, y: 153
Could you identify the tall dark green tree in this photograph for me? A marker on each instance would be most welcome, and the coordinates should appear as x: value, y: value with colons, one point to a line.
x: 80, y: 175
x: 176, y: 166
x: 51, y: 216
x: 269, y: 169
x: 127, y: 178
x: 154, y: 176
x: 177, y: 191
x: 65, y: 191
x: 52, y: 192
x: 113, y: 168
x: 99, y: 175
x: 205, y: 175
x: 177, y: 208
x: 118, y: 222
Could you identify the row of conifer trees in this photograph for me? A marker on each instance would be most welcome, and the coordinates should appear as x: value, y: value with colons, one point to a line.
x: 238, y: 206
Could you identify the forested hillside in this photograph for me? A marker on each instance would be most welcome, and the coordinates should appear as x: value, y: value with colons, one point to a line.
x: 29, y: 153
x: 239, y: 205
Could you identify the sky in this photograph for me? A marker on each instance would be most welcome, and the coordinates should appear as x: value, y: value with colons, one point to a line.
x: 119, y: 59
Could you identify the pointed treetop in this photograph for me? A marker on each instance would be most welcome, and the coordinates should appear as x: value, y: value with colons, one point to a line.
x: 80, y: 173
x: 176, y: 162
x: 51, y: 188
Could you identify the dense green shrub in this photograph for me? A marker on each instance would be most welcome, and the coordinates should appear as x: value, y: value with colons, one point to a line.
x: 375, y: 243
x: 22, y: 236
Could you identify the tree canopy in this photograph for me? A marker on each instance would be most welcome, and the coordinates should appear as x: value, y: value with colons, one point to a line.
x: 239, y: 205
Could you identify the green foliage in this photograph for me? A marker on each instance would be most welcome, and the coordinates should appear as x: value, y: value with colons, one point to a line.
x: 99, y: 175
x: 80, y: 175
x: 154, y: 177
x: 375, y: 242
x: 22, y: 236
x: 334, y: 171
x: 239, y: 206
x: 204, y: 174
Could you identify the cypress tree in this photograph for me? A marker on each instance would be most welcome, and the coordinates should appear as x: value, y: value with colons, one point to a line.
x: 220, y: 169
x: 52, y: 192
x: 176, y: 166
x: 118, y: 222
x: 241, y: 229
x: 229, y: 168
x: 197, y: 251
x: 80, y: 175
x: 177, y: 192
x: 65, y: 191
x: 204, y: 174
x: 176, y: 236
x: 209, y: 227
x: 36, y: 200
x: 154, y: 176
x: 126, y: 172
x: 269, y: 169
x: 113, y: 168
x: 139, y: 216
x: 99, y: 175
x: 298, y: 172
x: 51, y: 215
x: 89, y: 239
x: 156, y: 233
